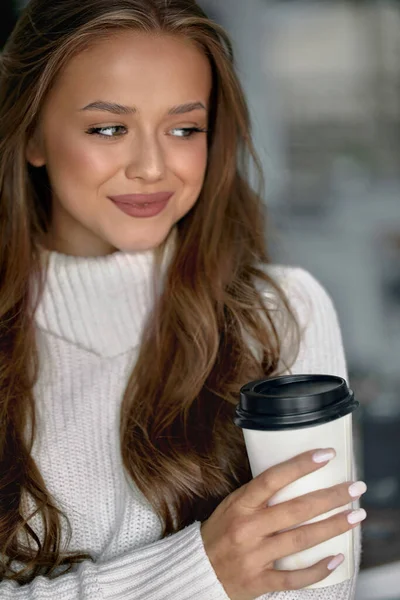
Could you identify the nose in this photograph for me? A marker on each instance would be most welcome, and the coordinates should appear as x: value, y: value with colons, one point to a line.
x: 147, y: 160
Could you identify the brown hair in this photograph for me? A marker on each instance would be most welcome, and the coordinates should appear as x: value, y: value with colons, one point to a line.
x: 210, y: 332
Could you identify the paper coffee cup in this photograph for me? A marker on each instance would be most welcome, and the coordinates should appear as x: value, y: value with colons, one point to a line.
x: 285, y: 416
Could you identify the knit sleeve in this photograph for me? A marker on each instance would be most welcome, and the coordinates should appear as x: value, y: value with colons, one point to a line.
x: 174, y: 568
x: 321, y: 351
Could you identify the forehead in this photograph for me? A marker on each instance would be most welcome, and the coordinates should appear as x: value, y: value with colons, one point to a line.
x: 134, y: 68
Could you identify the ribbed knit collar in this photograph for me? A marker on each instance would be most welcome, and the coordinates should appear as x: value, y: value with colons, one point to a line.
x: 100, y: 304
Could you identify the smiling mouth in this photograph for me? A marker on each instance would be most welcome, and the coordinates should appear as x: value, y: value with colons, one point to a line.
x: 142, y: 199
x: 142, y: 205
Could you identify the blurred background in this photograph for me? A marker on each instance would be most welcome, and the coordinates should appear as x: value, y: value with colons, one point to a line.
x: 323, y: 83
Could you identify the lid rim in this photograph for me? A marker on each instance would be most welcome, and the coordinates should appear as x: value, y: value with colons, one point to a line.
x: 245, y: 421
x: 347, y: 399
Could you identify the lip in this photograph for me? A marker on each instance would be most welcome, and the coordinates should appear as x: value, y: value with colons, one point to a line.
x: 142, y: 206
x: 140, y: 199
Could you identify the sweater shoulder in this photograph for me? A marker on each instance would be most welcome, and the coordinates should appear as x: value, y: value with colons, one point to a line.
x: 296, y: 278
x: 305, y: 294
x: 321, y: 346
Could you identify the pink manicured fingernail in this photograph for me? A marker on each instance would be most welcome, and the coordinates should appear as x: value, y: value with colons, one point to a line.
x: 324, y: 455
x: 356, y: 516
x: 336, y: 562
x: 357, y: 489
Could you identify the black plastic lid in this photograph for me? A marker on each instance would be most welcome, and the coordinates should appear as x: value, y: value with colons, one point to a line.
x: 293, y: 401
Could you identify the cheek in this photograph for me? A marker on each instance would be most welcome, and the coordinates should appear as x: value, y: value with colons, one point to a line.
x: 190, y: 161
x: 90, y: 163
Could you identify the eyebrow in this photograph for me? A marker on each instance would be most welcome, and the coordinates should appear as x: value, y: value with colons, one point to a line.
x: 119, y: 109
x: 186, y: 108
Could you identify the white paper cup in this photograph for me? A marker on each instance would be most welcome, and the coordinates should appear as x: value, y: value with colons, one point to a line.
x: 285, y: 416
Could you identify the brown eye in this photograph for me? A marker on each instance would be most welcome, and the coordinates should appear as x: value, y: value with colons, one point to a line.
x: 186, y: 132
x: 108, y: 132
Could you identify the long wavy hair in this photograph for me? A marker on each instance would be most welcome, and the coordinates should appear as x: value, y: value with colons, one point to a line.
x: 211, y: 330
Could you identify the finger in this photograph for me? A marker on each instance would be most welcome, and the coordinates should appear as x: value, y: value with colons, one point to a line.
x: 259, y: 490
x: 282, y: 581
x: 303, y: 508
x: 308, y: 536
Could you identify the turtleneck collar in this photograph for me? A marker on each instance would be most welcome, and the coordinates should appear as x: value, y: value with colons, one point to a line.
x: 100, y: 304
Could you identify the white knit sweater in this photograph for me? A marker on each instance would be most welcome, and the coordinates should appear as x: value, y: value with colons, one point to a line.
x: 89, y: 324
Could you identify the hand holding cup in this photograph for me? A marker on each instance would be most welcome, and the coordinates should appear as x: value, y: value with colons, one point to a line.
x: 244, y: 536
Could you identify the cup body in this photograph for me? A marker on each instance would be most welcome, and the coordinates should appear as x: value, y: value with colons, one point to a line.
x: 285, y: 416
x: 268, y: 448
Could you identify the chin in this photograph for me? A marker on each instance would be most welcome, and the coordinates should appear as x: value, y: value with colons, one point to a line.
x: 142, y: 243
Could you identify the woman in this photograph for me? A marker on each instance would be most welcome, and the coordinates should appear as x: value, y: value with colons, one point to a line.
x: 135, y: 299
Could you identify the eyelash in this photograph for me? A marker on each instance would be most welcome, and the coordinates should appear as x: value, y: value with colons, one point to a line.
x: 190, y: 131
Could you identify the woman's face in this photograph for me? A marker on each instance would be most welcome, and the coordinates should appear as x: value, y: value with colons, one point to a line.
x: 123, y: 137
